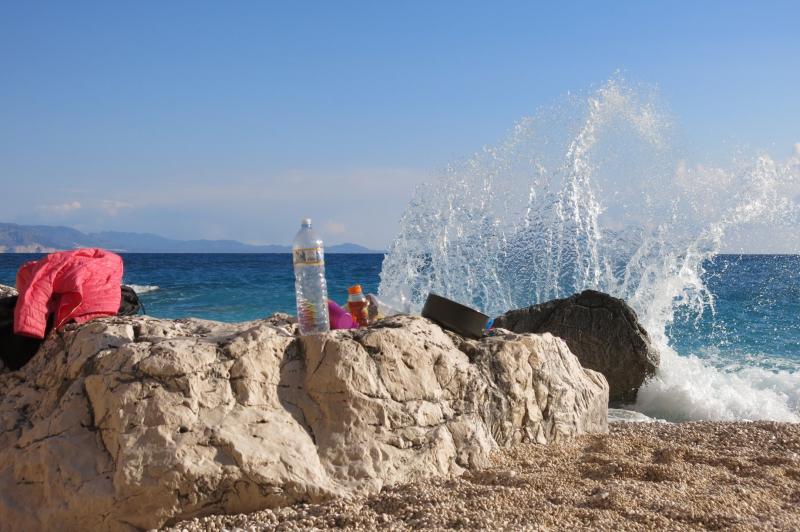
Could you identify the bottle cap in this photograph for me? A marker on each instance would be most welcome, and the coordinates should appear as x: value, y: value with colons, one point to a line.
x: 305, y: 222
x: 355, y: 289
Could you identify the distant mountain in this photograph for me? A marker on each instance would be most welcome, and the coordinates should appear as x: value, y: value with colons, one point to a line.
x: 349, y: 247
x: 46, y: 239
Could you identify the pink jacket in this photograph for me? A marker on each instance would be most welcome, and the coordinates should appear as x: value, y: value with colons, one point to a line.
x: 75, y: 285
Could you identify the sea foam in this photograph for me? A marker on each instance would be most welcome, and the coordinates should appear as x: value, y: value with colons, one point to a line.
x: 687, y: 388
x: 144, y: 288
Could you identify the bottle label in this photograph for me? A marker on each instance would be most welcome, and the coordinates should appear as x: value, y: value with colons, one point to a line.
x: 309, y: 256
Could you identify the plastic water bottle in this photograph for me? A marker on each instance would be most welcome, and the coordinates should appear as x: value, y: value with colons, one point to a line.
x: 308, y: 255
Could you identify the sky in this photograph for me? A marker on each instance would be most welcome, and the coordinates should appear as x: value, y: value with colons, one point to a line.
x: 237, y: 119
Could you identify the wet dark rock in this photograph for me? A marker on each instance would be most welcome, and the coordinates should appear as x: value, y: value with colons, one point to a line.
x: 602, y: 331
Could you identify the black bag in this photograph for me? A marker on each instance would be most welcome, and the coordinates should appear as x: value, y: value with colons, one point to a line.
x: 129, y: 305
x: 16, y: 351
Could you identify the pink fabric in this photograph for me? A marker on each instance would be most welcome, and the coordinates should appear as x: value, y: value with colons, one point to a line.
x: 75, y: 285
x: 340, y: 318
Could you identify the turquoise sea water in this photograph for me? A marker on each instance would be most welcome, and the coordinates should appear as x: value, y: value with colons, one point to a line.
x: 752, y: 331
x: 225, y: 287
x: 756, y: 318
x: 756, y: 314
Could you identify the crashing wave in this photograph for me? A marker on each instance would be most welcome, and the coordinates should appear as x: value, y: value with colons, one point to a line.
x: 589, y: 194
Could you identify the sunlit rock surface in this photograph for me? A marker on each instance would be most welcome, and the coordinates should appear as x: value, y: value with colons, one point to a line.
x: 133, y: 423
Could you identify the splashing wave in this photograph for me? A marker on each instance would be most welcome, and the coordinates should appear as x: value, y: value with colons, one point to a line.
x: 589, y: 194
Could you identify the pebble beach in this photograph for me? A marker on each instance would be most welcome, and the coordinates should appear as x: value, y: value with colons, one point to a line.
x: 639, y: 476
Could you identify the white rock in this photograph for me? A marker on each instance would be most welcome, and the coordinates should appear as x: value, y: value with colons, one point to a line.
x: 128, y: 423
x: 7, y: 291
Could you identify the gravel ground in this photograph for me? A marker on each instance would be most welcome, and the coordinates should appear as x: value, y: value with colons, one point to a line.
x: 640, y: 476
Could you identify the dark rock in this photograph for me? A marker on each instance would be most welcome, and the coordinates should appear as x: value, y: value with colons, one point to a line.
x: 602, y: 331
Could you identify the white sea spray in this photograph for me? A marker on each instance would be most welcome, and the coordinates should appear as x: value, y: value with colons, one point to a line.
x: 589, y: 193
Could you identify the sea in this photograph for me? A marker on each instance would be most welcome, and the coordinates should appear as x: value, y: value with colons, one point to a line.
x: 751, y: 336
x: 224, y: 287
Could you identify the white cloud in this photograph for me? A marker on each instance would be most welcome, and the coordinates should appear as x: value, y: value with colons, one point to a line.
x: 60, y: 208
x: 361, y: 205
x: 112, y: 207
x: 334, y: 228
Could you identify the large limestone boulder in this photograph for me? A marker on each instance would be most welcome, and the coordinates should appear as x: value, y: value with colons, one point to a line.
x: 602, y: 331
x: 133, y: 423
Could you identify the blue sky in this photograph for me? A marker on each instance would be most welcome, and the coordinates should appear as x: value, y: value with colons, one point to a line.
x: 236, y: 119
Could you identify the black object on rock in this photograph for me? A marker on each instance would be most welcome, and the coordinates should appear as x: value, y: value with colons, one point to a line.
x: 602, y: 331
x: 17, y: 350
x: 454, y: 316
x: 129, y: 304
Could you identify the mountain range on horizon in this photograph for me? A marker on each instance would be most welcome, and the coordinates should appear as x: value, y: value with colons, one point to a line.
x: 16, y: 238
